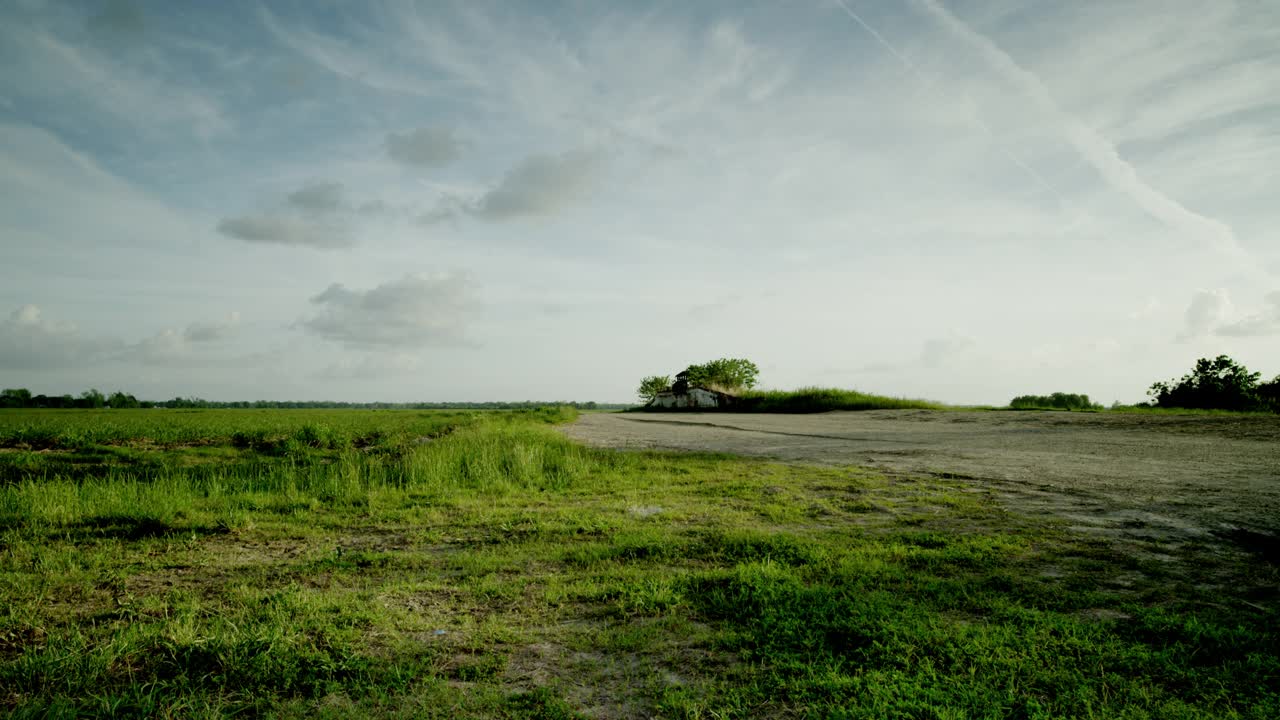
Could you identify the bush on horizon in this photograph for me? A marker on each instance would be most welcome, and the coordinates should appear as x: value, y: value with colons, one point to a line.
x: 1056, y: 401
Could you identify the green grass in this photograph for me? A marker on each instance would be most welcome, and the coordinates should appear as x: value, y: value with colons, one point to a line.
x: 497, y: 570
x: 816, y: 399
x: 61, y: 429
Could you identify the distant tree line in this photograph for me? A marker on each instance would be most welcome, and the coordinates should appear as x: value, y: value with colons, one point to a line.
x: 22, y: 398
x: 1213, y: 384
x: 1056, y: 401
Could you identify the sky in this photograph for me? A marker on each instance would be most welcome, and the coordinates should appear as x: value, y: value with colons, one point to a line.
x: 961, y: 200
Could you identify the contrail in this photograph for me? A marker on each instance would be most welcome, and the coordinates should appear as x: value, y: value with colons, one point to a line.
x: 986, y: 128
x: 1093, y: 147
x: 879, y: 38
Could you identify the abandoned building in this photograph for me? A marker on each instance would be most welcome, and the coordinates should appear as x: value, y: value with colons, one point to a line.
x: 682, y: 395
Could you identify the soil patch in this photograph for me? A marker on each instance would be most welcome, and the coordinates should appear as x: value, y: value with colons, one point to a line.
x: 1166, y: 477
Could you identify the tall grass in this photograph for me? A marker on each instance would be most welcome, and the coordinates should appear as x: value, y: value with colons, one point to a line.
x: 817, y: 399
x: 43, y: 429
x: 498, y: 453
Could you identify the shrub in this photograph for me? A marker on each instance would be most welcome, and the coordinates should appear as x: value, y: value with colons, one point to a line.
x: 1269, y: 395
x: 321, y: 436
x: 1218, y: 384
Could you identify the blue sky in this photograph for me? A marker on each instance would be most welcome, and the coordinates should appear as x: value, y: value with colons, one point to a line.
x: 429, y: 201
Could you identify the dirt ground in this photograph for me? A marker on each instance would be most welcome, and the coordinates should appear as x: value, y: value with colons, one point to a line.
x: 1169, y: 477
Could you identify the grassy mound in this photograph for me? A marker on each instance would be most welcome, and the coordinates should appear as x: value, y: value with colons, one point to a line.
x: 816, y: 399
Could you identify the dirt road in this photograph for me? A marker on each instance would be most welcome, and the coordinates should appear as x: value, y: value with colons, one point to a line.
x: 1169, y: 476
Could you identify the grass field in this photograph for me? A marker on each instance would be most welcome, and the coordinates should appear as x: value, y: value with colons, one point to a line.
x: 435, y: 564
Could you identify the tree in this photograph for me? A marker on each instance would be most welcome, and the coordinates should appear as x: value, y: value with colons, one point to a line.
x: 727, y: 374
x: 91, y: 399
x: 120, y: 399
x: 15, y: 398
x: 1269, y: 394
x: 1218, y: 384
x: 652, y: 385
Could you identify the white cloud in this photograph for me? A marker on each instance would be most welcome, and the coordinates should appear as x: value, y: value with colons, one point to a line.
x: 208, y: 332
x: 941, y: 351
x: 318, y: 196
x: 284, y: 228
x: 1266, y: 322
x: 1208, y: 309
x: 427, y: 147
x: 167, y: 347
x: 414, y: 311
x: 30, y: 341
x: 316, y: 215
x: 540, y: 185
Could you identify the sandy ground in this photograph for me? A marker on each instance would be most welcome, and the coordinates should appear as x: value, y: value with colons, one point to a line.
x: 1166, y: 476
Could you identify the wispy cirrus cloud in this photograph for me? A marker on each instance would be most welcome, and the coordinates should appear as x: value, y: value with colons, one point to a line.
x: 1099, y: 152
x: 56, y: 69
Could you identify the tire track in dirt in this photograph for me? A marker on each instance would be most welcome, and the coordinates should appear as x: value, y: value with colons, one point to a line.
x: 770, y: 432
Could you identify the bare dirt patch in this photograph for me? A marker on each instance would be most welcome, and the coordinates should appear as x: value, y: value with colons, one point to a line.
x: 1169, y: 477
x: 221, y: 562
